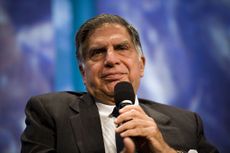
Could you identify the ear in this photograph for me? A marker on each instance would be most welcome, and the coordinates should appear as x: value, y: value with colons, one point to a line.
x: 142, y: 66
x: 82, y: 70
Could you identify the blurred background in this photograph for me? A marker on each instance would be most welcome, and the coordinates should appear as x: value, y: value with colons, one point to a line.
x: 186, y: 44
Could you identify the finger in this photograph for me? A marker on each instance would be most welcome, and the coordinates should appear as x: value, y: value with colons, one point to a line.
x: 129, y: 146
x: 126, y: 116
x: 133, y: 133
x: 132, y: 129
x: 131, y: 107
x: 129, y: 115
x: 132, y: 124
x: 132, y: 115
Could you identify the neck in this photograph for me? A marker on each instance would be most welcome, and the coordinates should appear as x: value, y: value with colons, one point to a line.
x: 105, y: 99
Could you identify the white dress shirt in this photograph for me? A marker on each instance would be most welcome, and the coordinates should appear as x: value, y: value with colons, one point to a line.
x: 108, y: 127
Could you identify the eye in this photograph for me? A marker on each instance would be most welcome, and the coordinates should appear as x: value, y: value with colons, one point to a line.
x: 121, y: 47
x: 96, y: 52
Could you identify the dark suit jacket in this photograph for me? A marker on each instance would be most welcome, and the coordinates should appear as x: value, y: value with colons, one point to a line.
x: 69, y: 122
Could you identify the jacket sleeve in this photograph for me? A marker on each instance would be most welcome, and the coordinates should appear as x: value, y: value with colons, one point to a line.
x: 39, y: 134
x: 203, y: 145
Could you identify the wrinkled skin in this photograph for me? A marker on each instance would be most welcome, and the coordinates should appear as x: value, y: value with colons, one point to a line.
x: 111, y: 58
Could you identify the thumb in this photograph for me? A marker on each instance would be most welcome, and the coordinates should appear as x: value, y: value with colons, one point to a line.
x: 129, y: 146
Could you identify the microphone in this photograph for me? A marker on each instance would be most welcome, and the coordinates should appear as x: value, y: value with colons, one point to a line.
x: 124, y: 94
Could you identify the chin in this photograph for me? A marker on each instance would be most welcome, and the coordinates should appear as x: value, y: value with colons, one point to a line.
x: 110, y: 85
x: 109, y: 90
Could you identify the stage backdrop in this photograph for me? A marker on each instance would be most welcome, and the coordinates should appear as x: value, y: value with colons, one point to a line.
x: 186, y: 45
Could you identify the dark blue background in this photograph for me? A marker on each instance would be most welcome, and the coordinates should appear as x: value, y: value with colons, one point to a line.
x: 186, y: 44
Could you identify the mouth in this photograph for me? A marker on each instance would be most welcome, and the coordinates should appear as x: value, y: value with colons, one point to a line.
x: 113, y: 76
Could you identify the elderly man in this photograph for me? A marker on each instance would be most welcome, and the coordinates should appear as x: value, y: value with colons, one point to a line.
x: 109, y: 52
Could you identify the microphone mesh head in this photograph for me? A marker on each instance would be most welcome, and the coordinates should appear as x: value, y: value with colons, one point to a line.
x: 123, y: 91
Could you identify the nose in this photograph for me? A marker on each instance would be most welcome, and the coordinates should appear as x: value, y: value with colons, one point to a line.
x: 111, y: 58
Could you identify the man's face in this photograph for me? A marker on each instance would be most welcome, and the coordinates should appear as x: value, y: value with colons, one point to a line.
x: 111, y: 58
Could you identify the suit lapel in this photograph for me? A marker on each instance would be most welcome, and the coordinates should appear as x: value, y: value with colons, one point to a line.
x: 169, y: 130
x: 86, y: 125
x: 159, y: 117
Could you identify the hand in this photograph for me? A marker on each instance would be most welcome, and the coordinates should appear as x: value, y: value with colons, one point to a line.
x: 133, y: 122
x: 129, y: 146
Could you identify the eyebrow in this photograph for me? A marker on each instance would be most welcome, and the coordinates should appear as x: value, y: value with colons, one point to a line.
x: 92, y: 49
x: 126, y: 42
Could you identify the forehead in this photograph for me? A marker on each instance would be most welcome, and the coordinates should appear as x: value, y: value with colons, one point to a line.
x: 109, y: 31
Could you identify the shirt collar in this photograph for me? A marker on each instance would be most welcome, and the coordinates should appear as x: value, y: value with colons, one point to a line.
x: 106, y: 110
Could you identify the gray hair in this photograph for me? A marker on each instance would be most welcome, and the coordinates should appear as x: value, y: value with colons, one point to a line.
x: 91, y: 25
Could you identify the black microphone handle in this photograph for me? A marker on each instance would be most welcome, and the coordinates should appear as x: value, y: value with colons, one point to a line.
x: 141, y: 144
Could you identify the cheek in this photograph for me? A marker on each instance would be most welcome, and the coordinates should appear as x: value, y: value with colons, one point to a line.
x: 92, y: 72
x: 137, y: 67
x: 141, y: 69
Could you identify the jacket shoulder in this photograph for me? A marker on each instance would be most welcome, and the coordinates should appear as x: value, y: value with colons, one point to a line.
x: 168, y: 110
x: 56, y: 101
x: 56, y: 97
x: 161, y: 105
